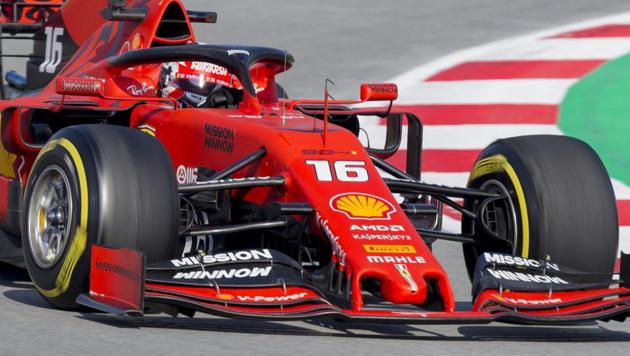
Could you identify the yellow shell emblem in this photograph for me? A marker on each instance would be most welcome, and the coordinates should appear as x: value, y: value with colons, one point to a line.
x: 225, y: 296
x: 362, y: 206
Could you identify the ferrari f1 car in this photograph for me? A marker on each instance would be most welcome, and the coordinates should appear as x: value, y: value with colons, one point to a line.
x: 126, y: 194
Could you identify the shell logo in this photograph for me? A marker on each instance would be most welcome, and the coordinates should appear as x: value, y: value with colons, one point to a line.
x: 362, y: 206
x: 136, y: 42
x: 225, y: 296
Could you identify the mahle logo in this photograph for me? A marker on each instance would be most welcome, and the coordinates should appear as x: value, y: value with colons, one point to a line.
x: 362, y: 206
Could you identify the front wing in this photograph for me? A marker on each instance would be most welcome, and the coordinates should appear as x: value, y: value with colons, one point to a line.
x: 121, y: 283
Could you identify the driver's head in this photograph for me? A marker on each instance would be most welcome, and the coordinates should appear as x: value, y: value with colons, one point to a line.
x: 192, y: 83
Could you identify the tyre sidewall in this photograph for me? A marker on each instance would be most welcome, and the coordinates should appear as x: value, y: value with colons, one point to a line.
x: 68, y: 276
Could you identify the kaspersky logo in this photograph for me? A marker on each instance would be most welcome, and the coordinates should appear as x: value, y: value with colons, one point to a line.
x: 362, y: 206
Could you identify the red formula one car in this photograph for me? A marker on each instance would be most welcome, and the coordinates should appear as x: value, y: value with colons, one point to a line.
x: 143, y: 172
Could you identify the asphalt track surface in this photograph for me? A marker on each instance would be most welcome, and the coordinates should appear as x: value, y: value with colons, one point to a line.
x: 348, y: 41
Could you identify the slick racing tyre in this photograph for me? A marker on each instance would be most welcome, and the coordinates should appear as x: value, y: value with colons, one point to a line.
x: 101, y: 184
x: 560, y: 205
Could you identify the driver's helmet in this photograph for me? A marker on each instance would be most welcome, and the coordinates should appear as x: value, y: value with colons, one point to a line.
x: 192, y: 83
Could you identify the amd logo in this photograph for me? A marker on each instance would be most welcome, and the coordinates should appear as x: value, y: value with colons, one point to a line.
x: 392, y: 228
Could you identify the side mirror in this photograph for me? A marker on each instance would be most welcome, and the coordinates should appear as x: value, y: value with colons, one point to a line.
x: 379, y: 92
x: 73, y: 86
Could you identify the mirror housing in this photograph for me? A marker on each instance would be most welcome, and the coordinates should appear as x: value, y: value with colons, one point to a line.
x: 379, y: 92
x: 74, y: 86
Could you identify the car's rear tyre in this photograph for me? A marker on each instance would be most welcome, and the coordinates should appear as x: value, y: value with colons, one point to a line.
x: 102, y: 184
x: 561, y: 203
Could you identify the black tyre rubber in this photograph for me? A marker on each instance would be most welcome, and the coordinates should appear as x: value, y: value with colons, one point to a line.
x: 124, y: 178
x: 563, y: 202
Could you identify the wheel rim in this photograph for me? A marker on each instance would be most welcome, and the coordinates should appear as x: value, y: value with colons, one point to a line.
x: 49, y: 216
x: 506, y: 229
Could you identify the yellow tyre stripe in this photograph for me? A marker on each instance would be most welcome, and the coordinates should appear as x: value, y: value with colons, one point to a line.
x: 498, y: 164
x: 79, y: 241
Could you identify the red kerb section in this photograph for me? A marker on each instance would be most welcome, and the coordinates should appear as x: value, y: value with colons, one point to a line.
x: 446, y: 161
x: 623, y: 209
x: 614, y: 30
x: 488, y: 70
x: 465, y: 114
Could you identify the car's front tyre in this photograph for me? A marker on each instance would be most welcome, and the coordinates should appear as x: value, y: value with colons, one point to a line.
x: 560, y: 204
x: 101, y: 184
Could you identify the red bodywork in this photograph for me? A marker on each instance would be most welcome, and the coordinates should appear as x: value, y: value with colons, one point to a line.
x: 292, y: 141
x: 27, y: 11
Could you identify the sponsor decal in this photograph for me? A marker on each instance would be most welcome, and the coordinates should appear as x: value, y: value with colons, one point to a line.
x: 362, y: 206
x: 137, y: 41
x: 389, y: 228
x: 290, y: 116
x: 224, y: 296
x: 91, y: 77
x: 408, y: 249
x: 404, y: 272
x: 507, y: 260
x: 381, y: 237
x: 126, y: 47
x: 53, y: 55
x: 147, y: 129
x: 325, y: 152
x: 525, y: 277
x: 521, y: 301
x: 237, y: 51
x: 119, y: 270
x: 236, y: 256
x: 225, y: 273
x: 78, y: 86
x: 241, y: 116
x: 273, y: 299
x: 209, y: 68
x: 397, y: 259
x: 142, y: 91
x: 219, y: 138
x: 243, y: 179
x: 334, y: 240
x: 383, y: 88
x: 186, y: 175
x: 345, y: 171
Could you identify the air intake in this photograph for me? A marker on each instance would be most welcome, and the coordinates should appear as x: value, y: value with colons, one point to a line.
x: 173, y: 25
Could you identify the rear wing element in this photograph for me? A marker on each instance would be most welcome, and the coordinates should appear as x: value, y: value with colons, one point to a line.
x: 25, y: 16
x: 20, y: 20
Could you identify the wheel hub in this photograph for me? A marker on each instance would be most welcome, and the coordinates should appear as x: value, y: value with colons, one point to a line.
x: 500, y: 216
x: 49, y: 217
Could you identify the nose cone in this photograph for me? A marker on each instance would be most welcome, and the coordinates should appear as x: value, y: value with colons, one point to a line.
x: 402, y: 288
x: 370, y: 236
x: 401, y: 283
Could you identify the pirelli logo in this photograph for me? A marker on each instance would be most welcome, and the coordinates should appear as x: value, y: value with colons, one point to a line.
x: 389, y: 249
